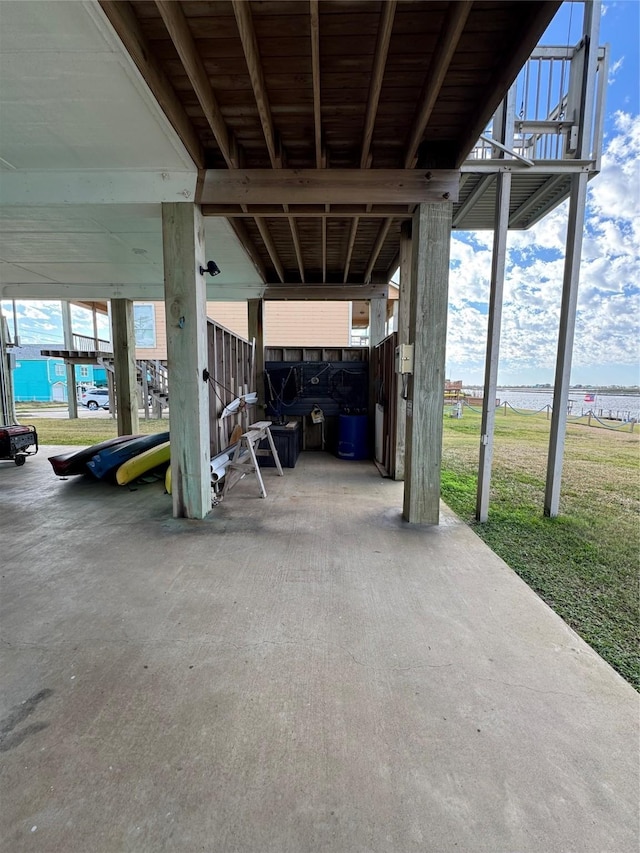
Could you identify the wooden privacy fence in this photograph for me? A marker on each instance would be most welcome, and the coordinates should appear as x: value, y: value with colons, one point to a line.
x: 232, y: 374
x: 385, y: 391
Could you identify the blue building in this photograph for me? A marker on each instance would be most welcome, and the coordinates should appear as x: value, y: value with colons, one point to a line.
x: 43, y: 379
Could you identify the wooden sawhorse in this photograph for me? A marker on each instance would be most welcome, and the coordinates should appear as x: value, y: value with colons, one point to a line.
x: 245, y: 456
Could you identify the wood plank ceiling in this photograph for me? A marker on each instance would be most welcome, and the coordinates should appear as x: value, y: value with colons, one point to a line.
x: 327, y: 84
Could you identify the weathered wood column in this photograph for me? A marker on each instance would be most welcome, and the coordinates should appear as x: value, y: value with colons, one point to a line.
x: 255, y: 310
x: 377, y: 323
x: 186, y: 313
x: 124, y: 364
x: 404, y: 302
x: 67, y: 331
x: 431, y: 236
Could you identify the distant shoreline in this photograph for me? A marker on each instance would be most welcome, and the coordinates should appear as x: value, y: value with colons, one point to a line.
x: 536, y: 389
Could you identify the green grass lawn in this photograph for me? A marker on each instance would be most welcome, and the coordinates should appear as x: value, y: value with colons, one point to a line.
x: 584, y: 563
x: 86, y: 431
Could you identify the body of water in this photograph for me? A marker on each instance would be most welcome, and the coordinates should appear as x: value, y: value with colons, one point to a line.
x: 621, y: 406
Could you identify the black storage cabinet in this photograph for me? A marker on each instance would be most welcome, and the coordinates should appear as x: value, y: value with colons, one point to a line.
x: 287, y: 442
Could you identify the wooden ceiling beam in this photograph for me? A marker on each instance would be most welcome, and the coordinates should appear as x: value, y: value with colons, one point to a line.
x: 184, y: 43
x: 328, y: 186
x: 324, y: 247
x: 315, y: 73
x: 377, y: 248
x: 380, y: 60
x: 296, y: 244
x: 309, y: 211
x: 393, y: 266
x: 337, y: 292
x: 244, y: 20
x: 123, y: 20
x: 350, y: 245
x: 249, y: 246
x: 270, y: 247
x: 453, y: 26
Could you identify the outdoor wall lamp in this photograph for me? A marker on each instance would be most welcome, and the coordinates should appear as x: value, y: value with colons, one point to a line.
x: 212, y: 268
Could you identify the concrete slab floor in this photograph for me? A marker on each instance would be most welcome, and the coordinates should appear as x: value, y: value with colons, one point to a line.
x: 302, y: 673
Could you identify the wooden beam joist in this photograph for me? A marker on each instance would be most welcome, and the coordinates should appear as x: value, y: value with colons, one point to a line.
x: 270, y: 247
x: 313, y: 211
x: 377, y: 248
x: 296, y: 244
x: 382, y: 48
x: 447, y: 43
x: 123, y: 20
x: 184, y: 43
x: 244, y: 20
x: 350, y: 245
x: 328, y: 186
x: 315, y: 73
x: 250, y: 247
x: 331, y: 292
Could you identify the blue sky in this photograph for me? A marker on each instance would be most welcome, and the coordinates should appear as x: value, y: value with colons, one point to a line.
x: 607, y: 330
x: 607, y: 327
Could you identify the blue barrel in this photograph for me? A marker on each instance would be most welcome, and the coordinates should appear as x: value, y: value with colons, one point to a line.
x: 353, y: 437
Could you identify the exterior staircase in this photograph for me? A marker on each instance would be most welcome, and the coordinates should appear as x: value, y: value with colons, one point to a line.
x: 153, y: 382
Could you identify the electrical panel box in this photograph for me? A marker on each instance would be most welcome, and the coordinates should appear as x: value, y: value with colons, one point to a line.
x: 404, y: 358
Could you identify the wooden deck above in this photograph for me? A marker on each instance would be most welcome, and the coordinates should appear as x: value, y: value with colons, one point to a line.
x: 329, y: 85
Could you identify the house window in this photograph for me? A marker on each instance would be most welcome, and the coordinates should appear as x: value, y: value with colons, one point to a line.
x: 144, y: 324
x: 84, y: 372
x: 59, y: 371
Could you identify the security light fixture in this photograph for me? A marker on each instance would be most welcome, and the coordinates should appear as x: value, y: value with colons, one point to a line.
x: 212, y: 268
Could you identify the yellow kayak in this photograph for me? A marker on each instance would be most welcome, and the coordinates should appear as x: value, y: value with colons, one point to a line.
x: 167, y: 481
x: 139, y: 465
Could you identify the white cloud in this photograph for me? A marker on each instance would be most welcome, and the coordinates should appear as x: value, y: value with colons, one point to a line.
x: 607, y: 323
x: 615, y: 67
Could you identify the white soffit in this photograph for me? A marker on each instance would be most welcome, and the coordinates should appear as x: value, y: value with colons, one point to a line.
x: 71, y: 98
x: 104, y: 251
x: 86, y: 157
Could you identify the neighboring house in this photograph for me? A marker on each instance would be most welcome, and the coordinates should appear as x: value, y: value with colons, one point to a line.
x: 43, y: 379
x: 292, y: 323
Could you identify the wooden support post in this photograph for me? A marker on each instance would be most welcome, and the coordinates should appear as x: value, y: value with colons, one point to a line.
x: 431, y: 236
x: 404, y: 303
x: 503, y: 131
x: 111, y: 385
x: 503, y: 195
x: 255, y: 308
x: 124, y: 363
x: 67, y: 331
x: 575, y: 228
x: 377, y: 323
x: 186, y: 312
x: 94, y: 317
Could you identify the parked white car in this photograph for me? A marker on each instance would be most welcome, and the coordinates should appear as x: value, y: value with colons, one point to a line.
x: 95, y: 398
